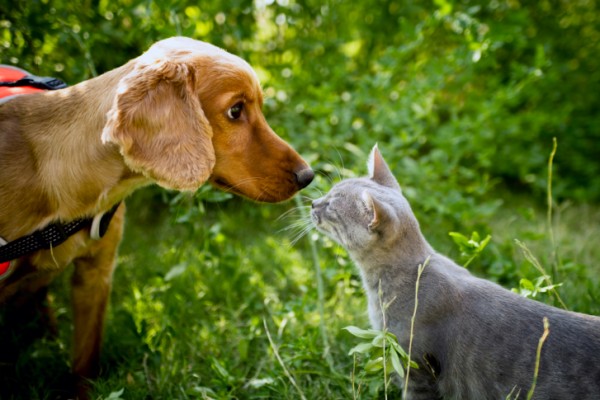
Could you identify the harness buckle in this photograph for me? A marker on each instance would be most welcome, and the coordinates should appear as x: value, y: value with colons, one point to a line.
x: 96, y: 231
x: 101, y: 222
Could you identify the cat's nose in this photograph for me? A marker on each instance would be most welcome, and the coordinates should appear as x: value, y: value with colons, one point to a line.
x: 315, y: 212
x: 319, y: 203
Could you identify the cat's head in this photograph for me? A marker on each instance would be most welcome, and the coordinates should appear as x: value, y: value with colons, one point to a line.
x: 358, y: 213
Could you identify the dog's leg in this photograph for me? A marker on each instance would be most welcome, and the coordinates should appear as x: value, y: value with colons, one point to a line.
x: 25, y: 318
x: 90, y: 292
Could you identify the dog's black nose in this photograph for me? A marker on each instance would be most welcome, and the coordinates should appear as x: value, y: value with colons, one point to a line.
x: 304, y: 177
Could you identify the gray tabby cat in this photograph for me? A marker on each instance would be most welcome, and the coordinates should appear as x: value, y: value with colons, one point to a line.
x: 472, y: 338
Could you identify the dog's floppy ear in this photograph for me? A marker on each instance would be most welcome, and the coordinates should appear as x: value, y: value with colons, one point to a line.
x: 158, y: 122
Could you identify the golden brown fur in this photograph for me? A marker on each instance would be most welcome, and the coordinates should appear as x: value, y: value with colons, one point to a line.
x: 162, y: 117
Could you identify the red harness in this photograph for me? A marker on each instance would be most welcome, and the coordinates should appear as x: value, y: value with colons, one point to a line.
x: 11, y: 75
x: 15, y: 81
x: 4, y: 266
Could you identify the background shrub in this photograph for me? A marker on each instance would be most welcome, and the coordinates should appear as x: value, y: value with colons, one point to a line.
x: 463, y: 98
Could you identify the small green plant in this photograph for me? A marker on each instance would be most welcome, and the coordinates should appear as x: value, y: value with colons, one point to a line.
x: 115, y: 395
x: 382, y: 349
x: 470, y: 248
x: 550, y: 287
x: 526, y: 287
x: 531, y: 289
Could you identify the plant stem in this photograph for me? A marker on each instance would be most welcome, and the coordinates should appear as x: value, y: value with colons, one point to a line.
x: 538, y: 356
x: 320, y: 290
x: 549, y: 212
x: 412, y: 324
x: 384, y: 328
x: 280, y: 360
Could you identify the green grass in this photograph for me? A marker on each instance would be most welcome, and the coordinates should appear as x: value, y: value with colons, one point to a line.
x: 193, y: 300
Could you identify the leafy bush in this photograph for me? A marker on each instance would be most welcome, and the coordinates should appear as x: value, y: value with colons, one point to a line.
x: 471, y: 91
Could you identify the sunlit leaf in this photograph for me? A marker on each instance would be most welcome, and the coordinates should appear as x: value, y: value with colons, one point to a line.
x: 362, y: 333
x: 361, y: 348
x: 397, y: 364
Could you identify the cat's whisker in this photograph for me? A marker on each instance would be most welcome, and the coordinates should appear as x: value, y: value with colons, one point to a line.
x: 298, y: 228
x: 321, y: 193
x: 298, y: 224
x: 290, y: 213
x: 337, y: 170
x: 327, y: 175
x: 301, y: 234
x: 308, y: 198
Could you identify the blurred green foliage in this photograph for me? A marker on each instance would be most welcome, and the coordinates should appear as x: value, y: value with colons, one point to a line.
x: 459, y: 94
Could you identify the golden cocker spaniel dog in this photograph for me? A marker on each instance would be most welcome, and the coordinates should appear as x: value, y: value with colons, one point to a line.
x: 182, y: 114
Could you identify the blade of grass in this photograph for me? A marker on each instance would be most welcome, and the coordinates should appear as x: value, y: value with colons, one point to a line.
x: 320, y: 291
x: 412, y: 324
x: 538, y: 356
x: 383, y: 309
x: 555, y: 259
x: 280, y: 361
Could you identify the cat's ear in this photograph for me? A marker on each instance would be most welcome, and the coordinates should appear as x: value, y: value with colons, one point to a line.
x: 379, y: 170
x: 375, y: 208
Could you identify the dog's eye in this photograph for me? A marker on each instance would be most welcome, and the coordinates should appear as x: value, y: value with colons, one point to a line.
x: 235, y: 112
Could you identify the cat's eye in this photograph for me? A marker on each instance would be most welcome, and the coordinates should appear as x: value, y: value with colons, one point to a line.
x: 235, y: 112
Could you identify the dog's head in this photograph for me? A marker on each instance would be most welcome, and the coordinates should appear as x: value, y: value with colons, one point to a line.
x: 189, y: 112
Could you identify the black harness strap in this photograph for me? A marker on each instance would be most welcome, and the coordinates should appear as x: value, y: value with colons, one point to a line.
x: 51, y: 236
x: 39, y: 82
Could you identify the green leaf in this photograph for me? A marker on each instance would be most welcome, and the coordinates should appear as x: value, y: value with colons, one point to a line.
x: 115, y: 395
x: 397, y: 364
x: 485, y: 242
x: 221, y: 371
x: 548, y: 288
x: 375, y: 365
x: 390, y: 337
x: 398, y: 349
x: 361, y: 348
x: 461, y: 240
x: 526, y: 284
x: 362, y: 333
x: 378, y: 340
x: 175, y: 271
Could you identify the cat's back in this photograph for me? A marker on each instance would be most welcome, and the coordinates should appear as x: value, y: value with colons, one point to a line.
x: 494, y: 339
